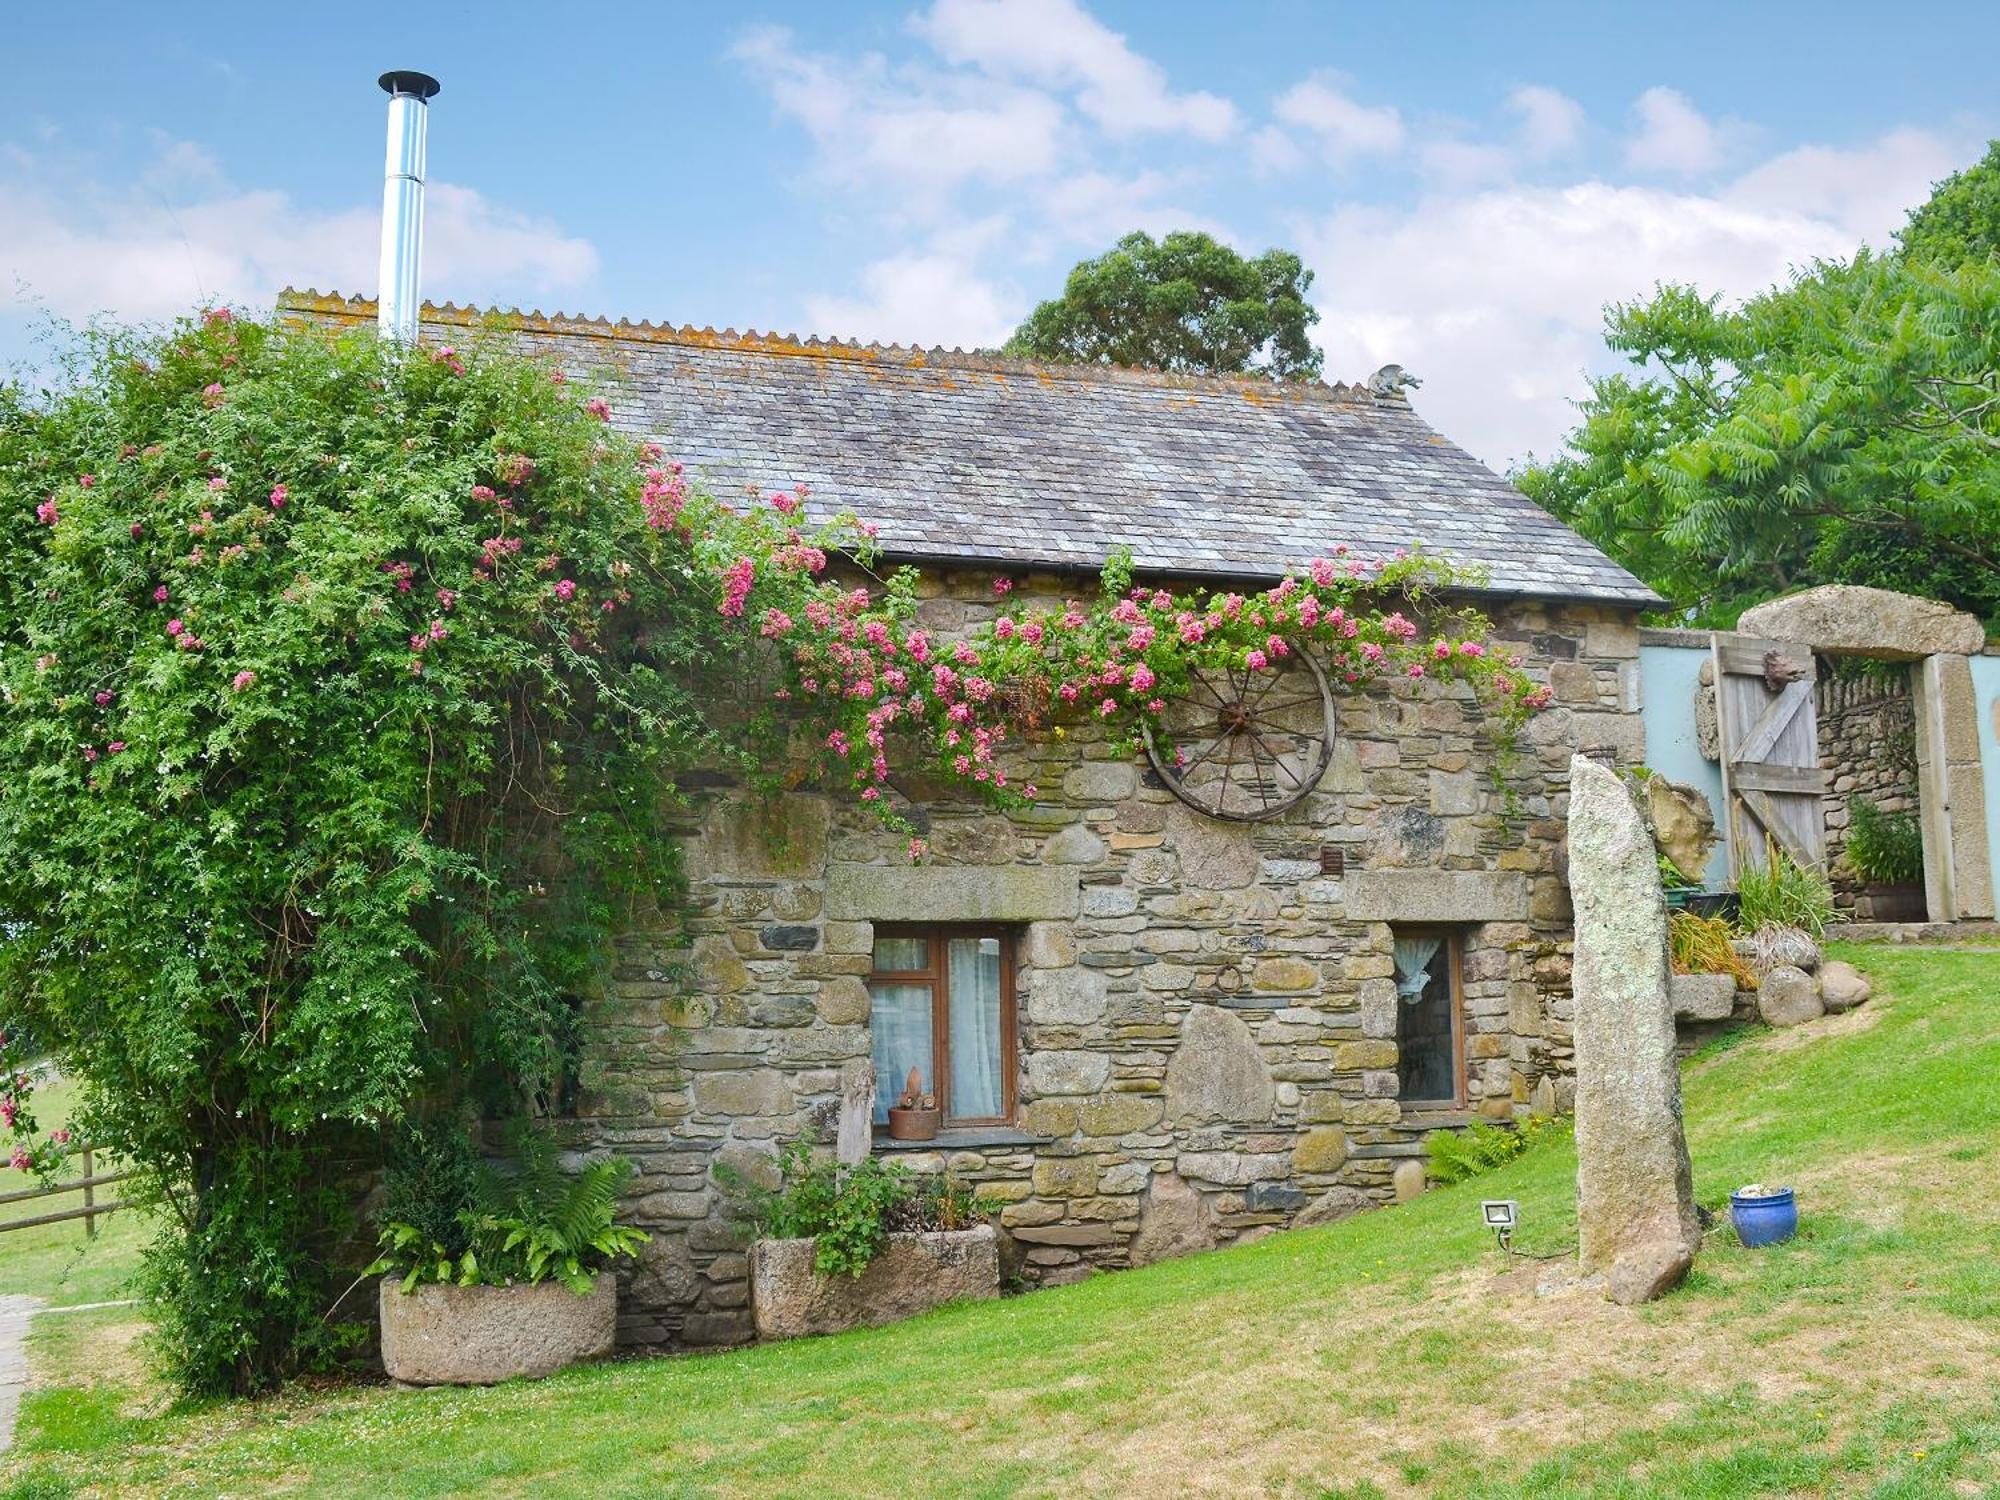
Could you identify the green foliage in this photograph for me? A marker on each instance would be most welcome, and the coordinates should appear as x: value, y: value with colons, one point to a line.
x: 1884, y: 847
x: 1961, y: 219
x: 1784, y: 894
x: 316, y: 795
x: 1183, y: 303
x: 849, y: 1211
x: 1706, y: 945
x: 1456, y: 1155
x: 1842, y: 428
x: 531, y: 1224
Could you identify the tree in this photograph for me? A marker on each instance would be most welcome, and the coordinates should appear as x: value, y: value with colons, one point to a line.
x: 1842, y: 428
x: 1182, y: 303
x: 1961, y: 219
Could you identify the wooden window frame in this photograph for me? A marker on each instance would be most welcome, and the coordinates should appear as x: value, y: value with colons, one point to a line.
x: 1454, y: 941
x: 938, y: 978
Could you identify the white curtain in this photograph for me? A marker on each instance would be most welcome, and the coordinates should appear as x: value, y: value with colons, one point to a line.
x: 899, y: 1021
x: 1413, y: 966
x: 973, y: 1030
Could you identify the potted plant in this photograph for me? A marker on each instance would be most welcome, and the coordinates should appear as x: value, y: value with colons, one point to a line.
x: 842, y: 1247
x: 488, y: 1274
x: 915, y: 1116
x: 1886, y: 849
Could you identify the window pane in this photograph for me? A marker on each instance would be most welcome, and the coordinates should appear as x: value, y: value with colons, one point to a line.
x: 1425, y: 1066
x: 899, y: 1021
x: 973, y: 1028
x: 902, y: 955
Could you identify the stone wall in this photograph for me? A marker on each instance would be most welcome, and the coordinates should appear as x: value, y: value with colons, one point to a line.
x: 1867, y: 747
x: 1206, y: 1017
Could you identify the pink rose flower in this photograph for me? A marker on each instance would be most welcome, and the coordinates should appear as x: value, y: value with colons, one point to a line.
x: 279, y: 494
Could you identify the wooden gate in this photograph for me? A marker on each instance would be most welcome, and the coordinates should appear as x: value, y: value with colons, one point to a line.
x: 1769, y: 738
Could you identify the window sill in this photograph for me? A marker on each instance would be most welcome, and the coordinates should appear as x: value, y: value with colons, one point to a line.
x: 961, y: 1137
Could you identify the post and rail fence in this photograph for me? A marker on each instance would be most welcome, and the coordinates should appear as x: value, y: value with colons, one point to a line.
x: 88, y: 1184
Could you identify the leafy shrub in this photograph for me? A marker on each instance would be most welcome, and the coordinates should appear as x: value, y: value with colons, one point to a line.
x: 848, y: 1210
x: 1457, y: 1155
x: 1706, y: 945
x: 1884, y: 847
x: 1785, y: 894
x: 534, y: 1223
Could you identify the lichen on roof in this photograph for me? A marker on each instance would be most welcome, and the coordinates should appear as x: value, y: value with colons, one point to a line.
x: 1222, y: 476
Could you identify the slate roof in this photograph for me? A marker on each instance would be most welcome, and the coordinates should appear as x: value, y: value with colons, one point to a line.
x: 973, y: 458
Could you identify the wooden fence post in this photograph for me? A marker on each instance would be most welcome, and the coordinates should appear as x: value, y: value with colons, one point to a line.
x: 89, y: 1198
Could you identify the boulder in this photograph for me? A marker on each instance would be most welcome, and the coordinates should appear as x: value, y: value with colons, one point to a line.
x: 1408, y: 1180
x: 1218, y: 1072
x: 1702, y: 997
x: 1842, y: 986
x: 1331, y: 1206
x: 1636, y: 1224
x: 1854, y: 620
x: 1174, y: 1219
x: 1789, y: 997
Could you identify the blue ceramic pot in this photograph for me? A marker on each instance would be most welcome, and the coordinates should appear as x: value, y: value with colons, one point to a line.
x: 1767, y: 1219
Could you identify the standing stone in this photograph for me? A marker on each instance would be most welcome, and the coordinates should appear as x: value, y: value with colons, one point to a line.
x: 1635, y: 1216
x: 857, y: 1112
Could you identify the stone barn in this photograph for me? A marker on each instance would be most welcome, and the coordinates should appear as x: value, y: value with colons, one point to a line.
x: 1159, y: 1017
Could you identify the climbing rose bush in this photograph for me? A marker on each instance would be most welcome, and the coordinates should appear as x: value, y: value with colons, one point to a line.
x: 343, y: 695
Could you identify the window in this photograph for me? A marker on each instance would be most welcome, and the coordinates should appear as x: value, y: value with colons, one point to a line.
x: 942, y: 1002
x: 1430, y: 1066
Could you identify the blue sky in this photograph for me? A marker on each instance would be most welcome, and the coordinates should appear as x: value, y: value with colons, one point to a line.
x: 1471, y: 182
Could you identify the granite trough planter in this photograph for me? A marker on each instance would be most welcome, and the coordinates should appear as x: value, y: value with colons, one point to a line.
x: 478, y: 1335
x: 912, y: 1273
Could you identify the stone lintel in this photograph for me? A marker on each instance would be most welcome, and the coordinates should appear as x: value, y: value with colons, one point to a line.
x: 920, y: 893
x: 1435, y: 896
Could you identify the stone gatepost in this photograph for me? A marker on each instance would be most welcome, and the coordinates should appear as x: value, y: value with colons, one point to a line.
x: 1635, y: 1218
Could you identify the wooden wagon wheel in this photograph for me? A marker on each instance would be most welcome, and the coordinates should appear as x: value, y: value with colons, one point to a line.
x: 1243, y: 745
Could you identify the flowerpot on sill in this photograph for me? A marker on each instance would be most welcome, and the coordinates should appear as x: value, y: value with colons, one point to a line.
x: 914, y: 1124
x: 477, y: 1335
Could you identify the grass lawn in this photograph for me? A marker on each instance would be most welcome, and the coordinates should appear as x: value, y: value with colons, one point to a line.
x: 56, y: 1262
x: 1397, y: 1353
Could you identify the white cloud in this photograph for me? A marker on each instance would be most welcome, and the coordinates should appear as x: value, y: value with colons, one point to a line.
x: 1058, y: 44
x: 1343, y: 127
x: 1672, y: 135
x: 1867, y: 191
x: 1274, y: 153
x: 930, y: 298
x: 918, y: 131
x: 1551, y: 122
x: 76, y: 248
x: 1494, y: 298
x: 1456, y: 163
x: 1098, y: 207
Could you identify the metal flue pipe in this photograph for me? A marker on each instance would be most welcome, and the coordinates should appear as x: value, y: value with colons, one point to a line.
x: 399, y: 293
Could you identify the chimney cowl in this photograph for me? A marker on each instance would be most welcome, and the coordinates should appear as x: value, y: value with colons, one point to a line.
x: 405, y: 81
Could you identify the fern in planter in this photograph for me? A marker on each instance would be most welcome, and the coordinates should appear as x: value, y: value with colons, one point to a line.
x: 848, y: 1212
x: 531, y: 1224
